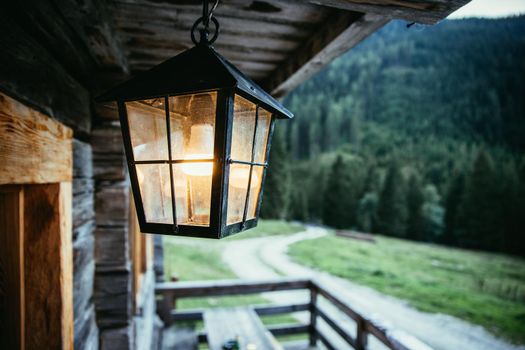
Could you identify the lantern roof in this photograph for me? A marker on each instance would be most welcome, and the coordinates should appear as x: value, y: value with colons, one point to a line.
x: 197, y: 69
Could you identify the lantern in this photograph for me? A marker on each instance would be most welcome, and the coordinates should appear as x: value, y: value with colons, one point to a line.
x: 197, y: 136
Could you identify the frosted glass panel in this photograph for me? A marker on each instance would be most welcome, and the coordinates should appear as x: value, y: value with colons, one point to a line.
x: 243, y: 129
x: 193, y: 184
x: 147, y: 128
x: 255, y: 188
x: 261, y: 137
x: 155, y: 190
x: 238, y: 183
x: 192, y: 124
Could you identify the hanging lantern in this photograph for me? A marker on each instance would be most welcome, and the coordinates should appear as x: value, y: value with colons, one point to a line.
x: 197, y: 135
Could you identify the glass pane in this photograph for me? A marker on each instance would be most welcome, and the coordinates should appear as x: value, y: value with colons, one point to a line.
x: 243, y: 128
x: 261, y: 138
x: 255, y: 188
x: 147, y: 128
x: 238, y: 183
x: 192, y: 124
x: 155, y: 190
x: 193, y: 193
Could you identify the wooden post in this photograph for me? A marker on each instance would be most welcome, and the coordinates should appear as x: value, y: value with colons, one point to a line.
x: 313, y: 317
x: 12, y: 312
x: 361, y: 341
x: 166, y: 305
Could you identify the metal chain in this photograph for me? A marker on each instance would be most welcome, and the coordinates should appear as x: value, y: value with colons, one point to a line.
x: 207, y: 15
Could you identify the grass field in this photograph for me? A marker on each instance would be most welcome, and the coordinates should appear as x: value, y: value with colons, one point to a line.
x: 198, y: 259
x: 485, y: 289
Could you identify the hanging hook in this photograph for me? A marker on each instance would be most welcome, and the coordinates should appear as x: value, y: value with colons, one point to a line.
x: 207, y: 16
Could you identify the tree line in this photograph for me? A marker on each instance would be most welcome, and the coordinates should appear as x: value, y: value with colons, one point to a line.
x: 418, y: 134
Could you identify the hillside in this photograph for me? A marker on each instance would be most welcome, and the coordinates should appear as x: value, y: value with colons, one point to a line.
x: 418, y: 133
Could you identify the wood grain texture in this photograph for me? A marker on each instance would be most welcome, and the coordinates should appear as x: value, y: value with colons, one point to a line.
x: 48, y: 266
x: 425, y: 11
x: 12, y: 307
x: 223, y: 324
x: 342, y: 32
x: 33, y: 147
x: 34, y: 76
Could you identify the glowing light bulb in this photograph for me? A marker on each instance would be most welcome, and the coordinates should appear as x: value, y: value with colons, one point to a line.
x: 200, y: 146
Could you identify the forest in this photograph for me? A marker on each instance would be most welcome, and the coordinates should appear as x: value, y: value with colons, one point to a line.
x: 417, y: 133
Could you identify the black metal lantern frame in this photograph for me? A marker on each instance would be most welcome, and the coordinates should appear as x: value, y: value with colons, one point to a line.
x: 201, y: 74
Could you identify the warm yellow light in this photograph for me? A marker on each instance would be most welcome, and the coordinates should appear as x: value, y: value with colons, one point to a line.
x: 239, y: 178
x: 199, y: 147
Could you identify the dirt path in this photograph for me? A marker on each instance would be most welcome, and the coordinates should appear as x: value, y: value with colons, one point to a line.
x: 266, y: 258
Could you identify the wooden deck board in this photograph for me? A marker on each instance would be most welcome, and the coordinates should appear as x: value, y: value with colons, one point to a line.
x: 223, y: 324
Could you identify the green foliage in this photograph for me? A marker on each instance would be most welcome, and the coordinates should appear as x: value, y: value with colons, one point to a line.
x: 430, y: 101
x: 277, y: 185
x: 483, y: 288
x: 392, y: 209
x: 415, y: 201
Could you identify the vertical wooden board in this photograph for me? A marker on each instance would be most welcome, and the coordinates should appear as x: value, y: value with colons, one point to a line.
x: 48, y: 266
x: 34, y: 148
x: 11, y: 268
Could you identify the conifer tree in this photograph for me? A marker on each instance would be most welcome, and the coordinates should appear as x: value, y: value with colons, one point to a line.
x: 453, y: 200
x: 276, y: 197
x: 415, y: 200
x: 479, y: 213
x: 337, y: 196
x: 392, y: 208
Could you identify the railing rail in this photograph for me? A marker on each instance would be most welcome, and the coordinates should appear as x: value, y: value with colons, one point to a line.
x: 170, y: 291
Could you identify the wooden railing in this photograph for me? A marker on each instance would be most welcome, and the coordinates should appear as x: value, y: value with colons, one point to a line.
x: 169, y: 292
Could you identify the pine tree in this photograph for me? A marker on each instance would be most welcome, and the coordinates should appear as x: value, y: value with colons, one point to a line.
x: 480, y: 225
x: 392, y: 208
x: 276, y: 197
x: 433, y: 215
x: 415, y: 200
x: 453, y: 200
x: 337, y: 195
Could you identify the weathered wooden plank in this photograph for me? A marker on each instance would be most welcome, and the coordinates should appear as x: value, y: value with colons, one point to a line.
x: 112, y: 204
x: 261, y: 310
x: 93, y: 23
x: 30, y: 73
x: 339, y: 34
x: 117, y: 338
x: 111, y: 296
x: 86, y: 330
x: 83, y: 272
x: 229, y: 287
x: 82, y: 160
x: 335, y: 326
x: 83, y: 201
x: 223, y: 324
x: 325, y: 340
x: 279, y: 11
x: 12, y: 290
x: 33, y: 148
x: 426, y: 12
x: 288, y: 329
x: 48, y: 244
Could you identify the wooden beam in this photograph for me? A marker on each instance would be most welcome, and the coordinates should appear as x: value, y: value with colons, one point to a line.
x: 228, y: 287
x: 341, y: 32
x: 93, y: 23
x: 33, y: 147
x: 421, y: 11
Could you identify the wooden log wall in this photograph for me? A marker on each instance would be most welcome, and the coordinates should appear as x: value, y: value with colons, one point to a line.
x: 86, y: 329
x: 112, y: 293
